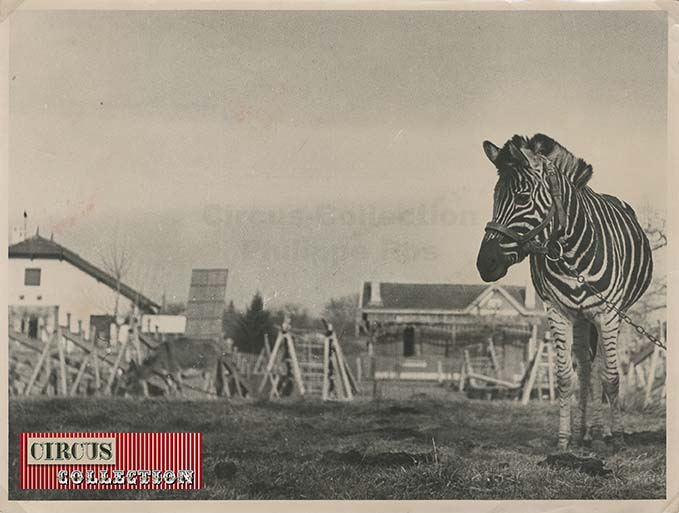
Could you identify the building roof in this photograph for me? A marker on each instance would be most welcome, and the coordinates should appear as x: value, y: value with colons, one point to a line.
x: 435, y: 296
x: 38, y: 247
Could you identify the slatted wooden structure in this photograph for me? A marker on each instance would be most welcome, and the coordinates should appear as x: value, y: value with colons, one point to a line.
x: 308, y: 367
x: 206, y: 302
x: 647, y: 372
x: 56, y: 361
x: 541, y: 373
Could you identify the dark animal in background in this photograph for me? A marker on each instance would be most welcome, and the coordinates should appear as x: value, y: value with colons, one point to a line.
x: 175, y: 360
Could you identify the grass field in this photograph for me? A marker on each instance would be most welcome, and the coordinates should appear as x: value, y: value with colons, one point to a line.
x: 361, y: 450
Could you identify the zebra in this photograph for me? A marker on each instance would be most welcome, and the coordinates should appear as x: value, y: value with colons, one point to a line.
x: 543, y: 208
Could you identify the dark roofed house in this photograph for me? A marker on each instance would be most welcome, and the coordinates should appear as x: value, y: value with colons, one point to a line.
x: 44, y: 274
x: 420, y: 325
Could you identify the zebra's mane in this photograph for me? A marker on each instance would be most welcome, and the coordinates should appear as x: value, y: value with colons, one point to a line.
x: 575, y: 169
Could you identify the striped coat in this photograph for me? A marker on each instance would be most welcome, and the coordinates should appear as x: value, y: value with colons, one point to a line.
x: 601, y: 240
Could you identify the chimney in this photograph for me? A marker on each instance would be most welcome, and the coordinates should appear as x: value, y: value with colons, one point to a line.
x: 375, y: 294
x: 18, y: 234
x: 529, y: 302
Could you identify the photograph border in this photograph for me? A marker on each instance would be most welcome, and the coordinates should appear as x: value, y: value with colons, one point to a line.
x: 672, y: 169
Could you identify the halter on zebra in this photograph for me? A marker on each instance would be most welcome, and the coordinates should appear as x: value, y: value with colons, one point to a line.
x: 544, y: 208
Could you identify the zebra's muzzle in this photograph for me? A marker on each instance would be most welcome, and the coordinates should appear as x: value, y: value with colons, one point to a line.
x: 491, y: 263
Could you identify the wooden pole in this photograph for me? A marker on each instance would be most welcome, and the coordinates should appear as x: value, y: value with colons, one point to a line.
x: 36, y: 370
x: 493, y: 380
x: 493, y: 356
x: 62, y: 361
x: 295, y: 364
x: 326, y: 368
x: 116, y: 364
x: 270, y: 364
x: 525, y: 397
x: 78, y: 377
x: 651, y: 375
x: 343, y: 369
x: 95, y: 360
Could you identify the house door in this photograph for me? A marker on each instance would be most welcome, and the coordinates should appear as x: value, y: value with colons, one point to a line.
x: 33, y: 326
x: 409, y: 341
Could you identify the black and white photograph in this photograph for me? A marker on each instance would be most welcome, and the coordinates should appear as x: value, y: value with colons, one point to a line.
x: 352, y: 254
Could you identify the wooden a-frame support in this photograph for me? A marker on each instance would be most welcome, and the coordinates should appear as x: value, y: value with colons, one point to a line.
x: 336, y: 372
x: 537, y: 364
x: 344, y: 383
x: 284, y: 338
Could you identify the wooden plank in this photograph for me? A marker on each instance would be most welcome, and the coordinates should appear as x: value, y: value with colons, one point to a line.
x: 651, y: 375
x: 38, y: 366
x: 62, y: 363
x: 85, y: 345
x: 95, y: 363
x: 495, y: 381
x: 295, y: 364
x: 530, y: 383
x: 81, y: 372
x: 272, y: 361
x: 342, y: 367
x: 493, y: 356
x: 116, y: 364
x: 326, y: 365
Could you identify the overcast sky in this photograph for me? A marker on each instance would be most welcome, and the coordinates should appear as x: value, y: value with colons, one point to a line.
x: 166, y: 129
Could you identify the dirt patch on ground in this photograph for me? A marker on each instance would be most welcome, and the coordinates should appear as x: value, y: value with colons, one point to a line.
x: 591, y: 466
x: 390, y: 432
x: 646, y: 438
x: 383, y: 459
x: 225, y: 470
x: 398, y: 410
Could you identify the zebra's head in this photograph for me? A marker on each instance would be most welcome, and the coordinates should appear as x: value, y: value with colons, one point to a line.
x: 521, y: 203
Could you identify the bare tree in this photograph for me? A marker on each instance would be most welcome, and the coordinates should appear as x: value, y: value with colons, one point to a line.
x: 342, y: 312
x: 655, y: 298
x: 117, y: 263
x: 651, y: 308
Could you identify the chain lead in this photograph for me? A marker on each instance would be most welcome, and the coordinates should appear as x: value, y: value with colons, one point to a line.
x: 623, y: 316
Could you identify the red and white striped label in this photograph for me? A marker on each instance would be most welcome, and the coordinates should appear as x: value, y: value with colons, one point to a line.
x: 171, y: 461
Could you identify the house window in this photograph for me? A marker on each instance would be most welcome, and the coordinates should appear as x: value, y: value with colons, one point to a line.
x: 32, y: 277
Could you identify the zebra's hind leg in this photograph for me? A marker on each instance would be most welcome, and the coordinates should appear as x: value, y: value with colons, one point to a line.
x: 596, y: 420
x: 608, y: 327
x: 562, y: 334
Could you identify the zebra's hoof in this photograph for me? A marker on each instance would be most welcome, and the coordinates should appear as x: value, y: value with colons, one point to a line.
x: 618, y: 441
x: 562, y: 446
x: 578, y: 441
x: 599, y: 447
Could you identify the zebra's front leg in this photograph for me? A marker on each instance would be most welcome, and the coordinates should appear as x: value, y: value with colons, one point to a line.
x: 582, y: 344
x: 608, y: 327
x: 562, y: 335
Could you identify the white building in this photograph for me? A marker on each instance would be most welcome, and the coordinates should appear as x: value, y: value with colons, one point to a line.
x: 164, y: 324
x: 44, y: 275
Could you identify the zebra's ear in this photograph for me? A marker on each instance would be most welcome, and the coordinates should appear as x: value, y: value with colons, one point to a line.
x: 491, y: 151
x: 582, y: 176
x: 518, y: 155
